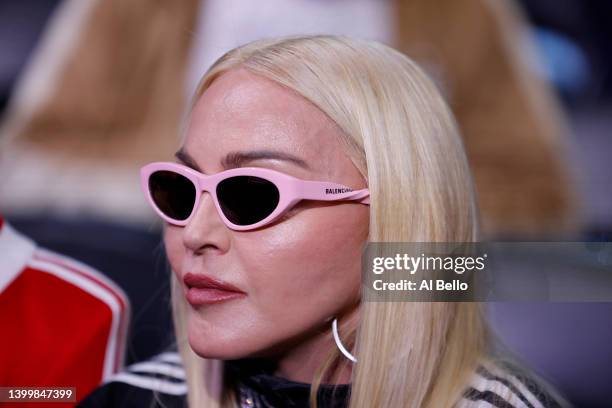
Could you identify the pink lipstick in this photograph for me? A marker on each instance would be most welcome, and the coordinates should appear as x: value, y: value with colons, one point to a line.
x: 204, y: 290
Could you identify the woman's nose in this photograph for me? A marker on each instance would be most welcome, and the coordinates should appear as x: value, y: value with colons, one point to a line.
x: 205, y: 228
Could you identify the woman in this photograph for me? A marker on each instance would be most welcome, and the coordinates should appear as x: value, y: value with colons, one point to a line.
x: 309, y: 147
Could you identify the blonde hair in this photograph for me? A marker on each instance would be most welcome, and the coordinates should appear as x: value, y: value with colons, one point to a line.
x: 402, y: 137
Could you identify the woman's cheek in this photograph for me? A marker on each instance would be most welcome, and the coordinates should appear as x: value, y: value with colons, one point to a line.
x: 299, y: 260
x: 173, y: 247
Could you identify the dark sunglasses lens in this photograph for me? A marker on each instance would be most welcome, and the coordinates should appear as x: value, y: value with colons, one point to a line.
x: 173, y: 194
x: 246, y: 200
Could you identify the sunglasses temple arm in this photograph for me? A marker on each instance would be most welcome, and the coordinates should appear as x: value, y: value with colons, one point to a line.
x: 313, y: 190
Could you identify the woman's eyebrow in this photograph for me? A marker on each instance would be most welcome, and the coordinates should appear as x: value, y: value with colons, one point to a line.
x: 184, y: 157
x: 239, y: 159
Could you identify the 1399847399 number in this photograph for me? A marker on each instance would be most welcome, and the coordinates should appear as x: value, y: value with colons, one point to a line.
x: 17, y: 394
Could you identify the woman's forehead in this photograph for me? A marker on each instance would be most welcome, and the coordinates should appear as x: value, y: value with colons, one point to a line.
x: 244, y: 111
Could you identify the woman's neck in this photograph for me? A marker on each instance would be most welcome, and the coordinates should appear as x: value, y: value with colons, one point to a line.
x: 302, y: 361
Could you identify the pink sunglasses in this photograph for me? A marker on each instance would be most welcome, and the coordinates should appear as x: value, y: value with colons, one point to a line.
x: 246, y: 197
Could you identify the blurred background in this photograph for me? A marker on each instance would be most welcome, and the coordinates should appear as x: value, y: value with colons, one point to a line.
x: 91, y: 90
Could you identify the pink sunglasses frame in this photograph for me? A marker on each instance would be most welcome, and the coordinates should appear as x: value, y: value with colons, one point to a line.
x: 291, y: 190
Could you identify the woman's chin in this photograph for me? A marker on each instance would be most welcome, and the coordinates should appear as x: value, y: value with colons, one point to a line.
x: 211, y: 346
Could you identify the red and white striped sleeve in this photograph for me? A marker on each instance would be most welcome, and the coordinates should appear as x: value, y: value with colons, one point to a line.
x: 63, y: 322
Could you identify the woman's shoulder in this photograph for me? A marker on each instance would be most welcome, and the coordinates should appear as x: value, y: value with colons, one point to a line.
x: 506, y: 385
x: 157, y: 382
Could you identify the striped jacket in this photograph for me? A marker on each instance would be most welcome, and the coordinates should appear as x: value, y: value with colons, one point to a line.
x: 160, y: 382
x: 63, y: 323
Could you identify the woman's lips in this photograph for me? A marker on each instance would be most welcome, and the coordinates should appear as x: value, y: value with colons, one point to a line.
x: 204, y: 290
